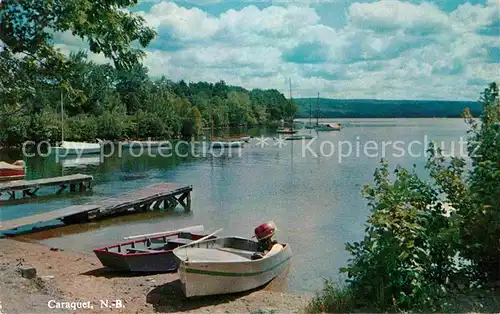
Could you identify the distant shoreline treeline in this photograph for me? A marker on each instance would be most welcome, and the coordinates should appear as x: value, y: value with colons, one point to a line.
x: 372, y: 108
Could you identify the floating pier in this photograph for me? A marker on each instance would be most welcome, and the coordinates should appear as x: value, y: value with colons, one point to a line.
x: 80, y: 182
x: 153, y: 197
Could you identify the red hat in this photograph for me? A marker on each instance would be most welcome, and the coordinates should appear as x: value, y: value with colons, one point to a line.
x: 265, y: 230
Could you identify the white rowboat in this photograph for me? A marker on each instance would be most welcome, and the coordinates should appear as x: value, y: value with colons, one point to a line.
x: 78, y: 148
x: 224, y: 265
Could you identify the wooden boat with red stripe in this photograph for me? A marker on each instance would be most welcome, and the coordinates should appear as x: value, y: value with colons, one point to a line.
x: 148, y: 254
x: 14, y: 171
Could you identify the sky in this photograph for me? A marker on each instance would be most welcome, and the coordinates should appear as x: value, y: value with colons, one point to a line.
x: 443, y: 49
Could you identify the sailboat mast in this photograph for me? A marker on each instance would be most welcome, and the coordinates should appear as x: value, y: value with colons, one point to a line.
x: 62, y: 118
x: 291, y: 101
x: 310, y: 114
x: 211, y: 124
x: 317, y: 111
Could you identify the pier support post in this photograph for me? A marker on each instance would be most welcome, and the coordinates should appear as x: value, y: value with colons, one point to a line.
x: 185, y: 196
x: 188, y: 203
x: 62, y: 187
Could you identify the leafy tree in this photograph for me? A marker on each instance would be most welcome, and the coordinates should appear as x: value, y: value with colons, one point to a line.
x: 480, y: 228
x: 28, y: 27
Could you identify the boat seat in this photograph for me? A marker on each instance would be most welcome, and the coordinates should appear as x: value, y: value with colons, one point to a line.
x: 180, y: 241
x: 243, y: 253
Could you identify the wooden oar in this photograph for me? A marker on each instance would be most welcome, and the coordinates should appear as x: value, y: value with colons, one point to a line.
x: 201, y: 239
x: 198, y: 228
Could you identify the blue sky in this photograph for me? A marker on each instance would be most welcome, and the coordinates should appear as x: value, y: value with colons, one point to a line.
x: 387, y: 49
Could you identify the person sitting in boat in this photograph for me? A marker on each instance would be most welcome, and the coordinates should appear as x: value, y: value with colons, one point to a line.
x: 267, y: 246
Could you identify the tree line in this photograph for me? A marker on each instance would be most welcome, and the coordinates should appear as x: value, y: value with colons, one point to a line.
x: 374, y: 108
x: 101, y: 101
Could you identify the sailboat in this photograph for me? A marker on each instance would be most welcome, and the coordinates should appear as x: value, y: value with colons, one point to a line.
x: 325, y: 126
x: 296, y: 136
x: 310, y: 125
x: 74, y: 148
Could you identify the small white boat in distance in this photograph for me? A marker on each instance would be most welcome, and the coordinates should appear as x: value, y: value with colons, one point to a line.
x: 78, y: 148
x: 225, y: 265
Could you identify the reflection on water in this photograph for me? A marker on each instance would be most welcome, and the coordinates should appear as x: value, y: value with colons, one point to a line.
x: 315, y: 201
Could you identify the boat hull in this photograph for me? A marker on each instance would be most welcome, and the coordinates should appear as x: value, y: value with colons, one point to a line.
x: 10, y: 172
x: 63, y: 151
x: 11, y: 178
x: 214, y: 278
x: 162, y: 261
x: 286, y: 131
x: 328, y: 129
x: 245, y: 139
x: 139, y: 256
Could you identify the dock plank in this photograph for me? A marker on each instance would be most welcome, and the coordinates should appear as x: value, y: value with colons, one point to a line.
x: 27, y: 184
x: 47, y: 216
x: 104, y: 207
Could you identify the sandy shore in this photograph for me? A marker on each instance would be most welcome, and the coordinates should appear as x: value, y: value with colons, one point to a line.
x: 64, y: 276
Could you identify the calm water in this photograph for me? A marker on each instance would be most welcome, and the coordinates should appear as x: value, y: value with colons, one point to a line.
x: 315, y: 201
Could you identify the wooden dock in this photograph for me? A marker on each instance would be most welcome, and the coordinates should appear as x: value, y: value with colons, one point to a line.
x: 153, y: 197
x: 31, y: 187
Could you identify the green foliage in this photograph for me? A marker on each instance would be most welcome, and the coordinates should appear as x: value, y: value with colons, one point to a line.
x: 333, y: 298
x: 82, y: 127
x: 101, y: 102
x: 13, y: 130
x: 392, y: 266
x: 105, y: 25
x: 480, y: 215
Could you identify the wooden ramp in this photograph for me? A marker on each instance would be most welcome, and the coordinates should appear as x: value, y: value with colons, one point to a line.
x: 48, y: 216
x: 30, y: 187
x: 153, y: 197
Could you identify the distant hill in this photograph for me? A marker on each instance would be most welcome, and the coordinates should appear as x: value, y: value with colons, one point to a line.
x: 371, y: 108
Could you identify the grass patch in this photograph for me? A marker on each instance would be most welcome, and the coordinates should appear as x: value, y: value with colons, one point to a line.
x: 333, y: 298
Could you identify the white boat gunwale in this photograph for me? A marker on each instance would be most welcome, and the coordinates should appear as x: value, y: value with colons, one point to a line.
x: 196, y: 245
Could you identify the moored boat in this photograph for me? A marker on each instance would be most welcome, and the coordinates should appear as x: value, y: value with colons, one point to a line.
x: 328, y: 127
x: 226, y: 265
x: 148, y: 254
x: 14, y: 171
x: 236, y: 138
x: 286, y: 131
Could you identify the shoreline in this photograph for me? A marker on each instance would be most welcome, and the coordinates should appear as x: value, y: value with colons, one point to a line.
x: 68, y: 276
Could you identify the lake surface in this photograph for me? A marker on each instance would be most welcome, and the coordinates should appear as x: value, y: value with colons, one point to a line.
x: 315, y: 201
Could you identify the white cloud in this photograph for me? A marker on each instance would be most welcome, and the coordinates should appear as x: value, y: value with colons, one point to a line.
x: 387, y: 49
x: 391, y: 15
x: 179, y: 22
